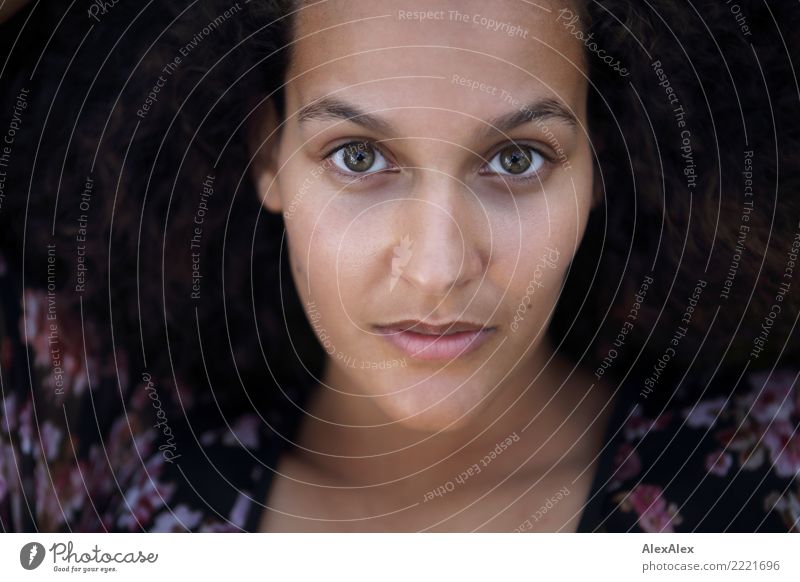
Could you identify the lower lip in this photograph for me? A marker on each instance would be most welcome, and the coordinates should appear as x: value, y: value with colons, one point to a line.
x: 436, y: 347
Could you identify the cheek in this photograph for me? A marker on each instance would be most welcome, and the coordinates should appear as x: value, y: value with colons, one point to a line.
x: 338, y: 254
x: 534, y: 262
x: 536, y: 280
x: 312, y: 253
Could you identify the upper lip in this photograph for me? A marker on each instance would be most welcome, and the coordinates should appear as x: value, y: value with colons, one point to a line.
x: 434, y: 329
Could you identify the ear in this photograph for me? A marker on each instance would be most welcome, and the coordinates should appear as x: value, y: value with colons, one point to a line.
x: 263, y: 139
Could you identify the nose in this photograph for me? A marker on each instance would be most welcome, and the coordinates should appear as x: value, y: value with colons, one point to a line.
x: 440, y: 239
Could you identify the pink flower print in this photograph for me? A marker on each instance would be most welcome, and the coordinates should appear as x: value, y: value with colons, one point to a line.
x: 751, y: 459
x: 51, y: 439
x: 627, y: 464
x: 744, y: 442
x: 26, y: 428
x: 788, y: 505
x: 33, y: 304
x: 146, y: 495
x: 740, y: 439
x: 245, y: 430
x: 770, y: 399
x: 783, y: 443
x: 75, y: 375
x: 8, y: 418
x: 655, y: 515
x: 33, y: 326
x: 240, y: 509
x: 718, y: 462
x: 636, y: 425
x: 662, y: 421
x: 49, y: 341
x: 704, y: 414
x: 639, y: 425
x: 59, y: 500
x: 70, y: 481
x: 178, y: 520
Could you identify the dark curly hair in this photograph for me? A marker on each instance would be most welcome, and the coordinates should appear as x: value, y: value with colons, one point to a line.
x: 135, y: 126
x: 696, y: 154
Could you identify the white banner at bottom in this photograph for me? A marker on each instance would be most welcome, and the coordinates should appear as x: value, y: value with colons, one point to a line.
x: 400, y: 557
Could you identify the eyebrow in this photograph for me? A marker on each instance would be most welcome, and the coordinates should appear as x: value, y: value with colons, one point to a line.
x: 330, y: 108
x: 535, y: 111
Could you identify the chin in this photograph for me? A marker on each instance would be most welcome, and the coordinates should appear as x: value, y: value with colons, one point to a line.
x: 429, y: 409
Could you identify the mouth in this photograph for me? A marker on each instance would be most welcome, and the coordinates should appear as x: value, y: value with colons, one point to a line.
x: 424, y: 341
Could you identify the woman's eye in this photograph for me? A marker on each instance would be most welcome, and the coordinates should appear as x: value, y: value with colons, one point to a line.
x: 516, y: 161
x: 359, y: 158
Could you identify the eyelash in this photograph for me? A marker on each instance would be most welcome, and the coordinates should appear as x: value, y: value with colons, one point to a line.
x: 535, y: 176
x: 356, y: 177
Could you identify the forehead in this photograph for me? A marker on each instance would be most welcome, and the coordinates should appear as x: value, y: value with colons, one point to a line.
x: 468, y: 54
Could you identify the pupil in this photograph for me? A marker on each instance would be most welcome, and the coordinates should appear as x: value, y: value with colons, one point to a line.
x: 359, y: 157
x: 515, y: 160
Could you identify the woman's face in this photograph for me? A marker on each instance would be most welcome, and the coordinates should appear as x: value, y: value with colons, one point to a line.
x: 435, y: 177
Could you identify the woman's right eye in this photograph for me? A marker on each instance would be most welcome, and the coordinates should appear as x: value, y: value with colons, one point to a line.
x: 359, y: 158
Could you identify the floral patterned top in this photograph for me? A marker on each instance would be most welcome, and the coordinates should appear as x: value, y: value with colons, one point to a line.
x: 721, y: 464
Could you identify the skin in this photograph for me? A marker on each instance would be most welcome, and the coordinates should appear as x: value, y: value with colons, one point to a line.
x: 375, y: 441
x: 10, y: 7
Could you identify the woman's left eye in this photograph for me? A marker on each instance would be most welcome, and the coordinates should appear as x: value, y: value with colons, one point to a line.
x: 516, y: 161
x: 359, y: 158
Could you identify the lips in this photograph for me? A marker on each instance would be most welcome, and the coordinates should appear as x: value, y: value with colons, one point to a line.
x: 430, y: 329
x: 424, y: 341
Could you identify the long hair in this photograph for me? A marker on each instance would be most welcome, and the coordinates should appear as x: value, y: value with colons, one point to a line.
x: 130, y: 170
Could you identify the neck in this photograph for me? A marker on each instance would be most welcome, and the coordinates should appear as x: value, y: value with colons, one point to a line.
x: 543, y: 408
